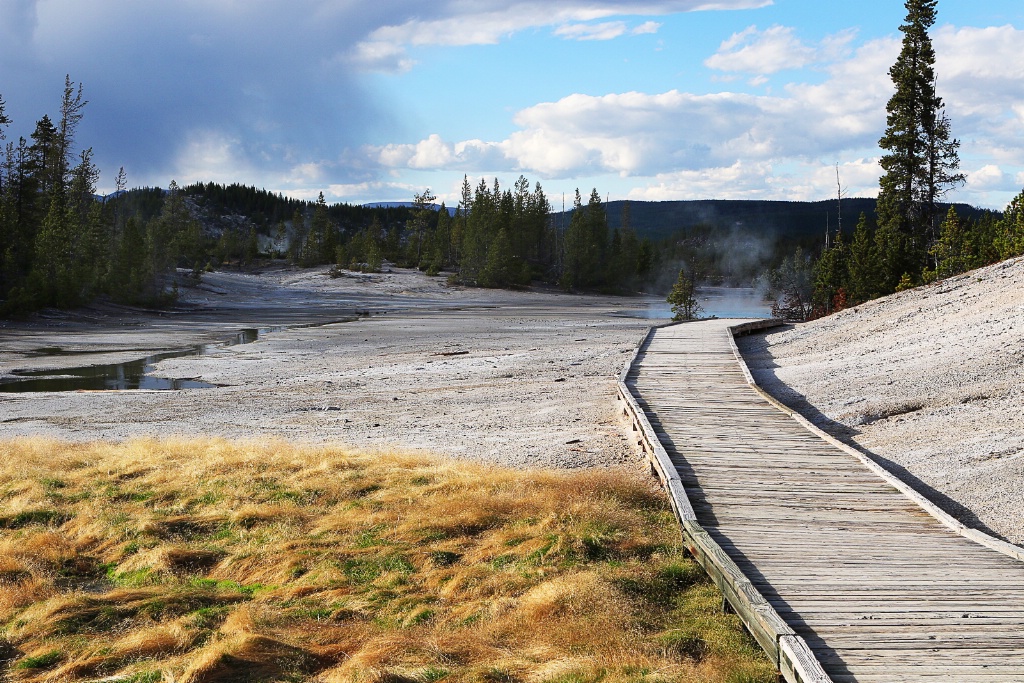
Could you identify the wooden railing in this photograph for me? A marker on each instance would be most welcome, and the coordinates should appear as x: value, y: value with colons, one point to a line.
x: 947, y: 520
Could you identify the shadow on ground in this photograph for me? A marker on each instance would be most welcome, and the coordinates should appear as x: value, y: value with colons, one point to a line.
x: 754, y: 349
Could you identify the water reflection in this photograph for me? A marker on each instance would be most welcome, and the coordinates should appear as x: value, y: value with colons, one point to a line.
x: 135, y: 374
x: 720, y: 302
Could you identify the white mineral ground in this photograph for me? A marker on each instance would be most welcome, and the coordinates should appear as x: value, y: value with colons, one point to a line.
x: 930, y: 381
x: 516, y: 378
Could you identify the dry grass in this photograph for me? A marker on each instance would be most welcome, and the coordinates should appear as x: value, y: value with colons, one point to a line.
x: 202, y: 561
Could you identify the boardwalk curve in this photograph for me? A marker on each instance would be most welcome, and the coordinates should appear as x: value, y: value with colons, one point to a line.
x: 840, y: 571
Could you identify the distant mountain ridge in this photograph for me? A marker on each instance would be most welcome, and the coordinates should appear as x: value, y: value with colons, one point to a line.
x: 405, y: 205
x: 771, y: 218
x: 657, y: 220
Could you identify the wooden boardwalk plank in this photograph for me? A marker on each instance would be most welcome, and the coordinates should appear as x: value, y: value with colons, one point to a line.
x: 879, y: 589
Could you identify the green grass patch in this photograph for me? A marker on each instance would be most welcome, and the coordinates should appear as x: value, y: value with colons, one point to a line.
x: 44, y: 661
x: 35, y: 517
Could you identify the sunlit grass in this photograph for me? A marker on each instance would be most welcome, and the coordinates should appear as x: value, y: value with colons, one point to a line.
x: 211, y: 560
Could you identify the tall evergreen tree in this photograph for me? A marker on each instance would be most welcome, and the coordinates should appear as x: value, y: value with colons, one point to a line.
x: 953, y: 251
x: 461, y: 217
x: 4, y: 119
x: 597, y: 241
x: 423, y: 211
x: 71, y: 108
x: 440, y: 250
x: 374, y: 237
x: 1009, y: 240
x: 830, y: 277
x: 319, y: 245
x: 477, y: 235
x: 574, y: 267
x: 862, y: 266
x: 920, y: 162
x: 43, y: 170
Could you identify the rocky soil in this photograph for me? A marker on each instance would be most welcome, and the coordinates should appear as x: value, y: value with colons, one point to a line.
x: 930, y: 381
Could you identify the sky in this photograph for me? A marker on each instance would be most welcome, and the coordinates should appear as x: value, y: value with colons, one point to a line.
x: 640, y: 99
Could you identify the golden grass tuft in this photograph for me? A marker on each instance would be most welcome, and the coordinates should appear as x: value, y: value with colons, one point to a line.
x: 213, y: 560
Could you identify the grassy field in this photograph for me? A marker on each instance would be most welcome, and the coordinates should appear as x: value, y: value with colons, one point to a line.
x: 207, y: 560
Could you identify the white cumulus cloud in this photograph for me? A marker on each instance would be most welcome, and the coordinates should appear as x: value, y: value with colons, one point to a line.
x: 604, y: 31
x: 990, y: 177
x: 737, y: 145
x: 486, y: 22
x: 775, y: 49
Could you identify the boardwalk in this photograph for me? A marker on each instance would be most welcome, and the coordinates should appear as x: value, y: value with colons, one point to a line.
x: 879, y: 589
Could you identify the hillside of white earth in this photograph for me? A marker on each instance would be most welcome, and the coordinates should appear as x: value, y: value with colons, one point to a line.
x: 930, y: 381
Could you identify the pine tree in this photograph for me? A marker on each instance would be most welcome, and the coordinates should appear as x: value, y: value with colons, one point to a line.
x: 574, y: 268
x: 597, y: 241
x: 440, y: 252
x: 4, y: 119
x: 42, y: 168
x: 683, y: 298
x: 499, y: 270
x: 921, y: 160
x: 422, y: 213
x: 461, y: 217
x: 862, y: 266
x: 71, y: 107
x: 986, y: 237
x: 831, y: 275
x: 298, y: 235
x: 8, y: 227
x: 165, y: 232
x: 477, y: 236
x: 1010, y: 232
x: 252, y: 247
x: 319, y: 245
x: 56, y: 275
x: 132, y: 278
x: 953, y: 249
x: 624, y: 255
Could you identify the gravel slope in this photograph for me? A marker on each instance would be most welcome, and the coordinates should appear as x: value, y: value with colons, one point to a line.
x: 930, y: 380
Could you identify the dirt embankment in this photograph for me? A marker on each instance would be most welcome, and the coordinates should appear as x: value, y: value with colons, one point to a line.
x: 930, y: 380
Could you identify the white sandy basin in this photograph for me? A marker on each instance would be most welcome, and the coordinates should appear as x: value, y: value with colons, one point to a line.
x: 524, y: 379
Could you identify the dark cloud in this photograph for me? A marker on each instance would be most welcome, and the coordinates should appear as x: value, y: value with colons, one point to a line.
x: 271, y: 89
x: 262, y: 76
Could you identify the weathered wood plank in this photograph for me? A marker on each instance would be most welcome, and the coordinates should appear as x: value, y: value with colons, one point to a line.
x: 876, y: 583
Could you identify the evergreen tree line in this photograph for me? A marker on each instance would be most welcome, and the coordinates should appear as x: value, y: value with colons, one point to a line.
x: 61, y: 247
x: 505, y: 238
x: 909, y: 242
x: 848, y: 272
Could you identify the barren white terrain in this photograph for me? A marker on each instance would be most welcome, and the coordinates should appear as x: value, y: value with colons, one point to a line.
x: 930, y: 381
x: 526, y: 379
